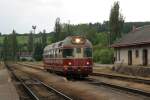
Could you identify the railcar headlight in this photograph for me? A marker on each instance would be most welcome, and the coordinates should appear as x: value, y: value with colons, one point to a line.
x: 77, y: 40
x: 69, y: 63
x: 87, y: 63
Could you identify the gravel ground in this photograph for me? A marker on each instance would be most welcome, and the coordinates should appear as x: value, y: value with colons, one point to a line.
x: 80, y: 90
x: 40, y: 90
x: 129, y: 84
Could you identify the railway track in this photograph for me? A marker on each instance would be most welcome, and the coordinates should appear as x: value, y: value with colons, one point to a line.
x: 118, y: 87
x: 32, y: 66
x: 37, y: 90
x: 114, y: 86
x: 112, y: 76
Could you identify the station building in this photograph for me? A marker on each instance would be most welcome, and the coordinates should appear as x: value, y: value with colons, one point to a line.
x: 134, y: 48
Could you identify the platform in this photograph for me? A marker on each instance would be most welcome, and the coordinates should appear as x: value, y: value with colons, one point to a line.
x: 7, y: 89
x: 143, y: 71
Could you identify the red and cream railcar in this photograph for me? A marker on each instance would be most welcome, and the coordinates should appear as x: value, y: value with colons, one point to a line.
x: 72, y: 56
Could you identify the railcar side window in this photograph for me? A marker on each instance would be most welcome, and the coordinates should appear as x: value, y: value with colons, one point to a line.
x: 87, y: 52
x: 67, y: 53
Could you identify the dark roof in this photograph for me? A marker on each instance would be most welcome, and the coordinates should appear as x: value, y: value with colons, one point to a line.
x: 139, y: 36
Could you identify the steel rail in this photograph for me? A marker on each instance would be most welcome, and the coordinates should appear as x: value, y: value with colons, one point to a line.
x: 56, y: 91
x: 45, y: 85
x: 123, y: 88
x: 27, y: 89
x: 133, y: 79
x: 31, y: 66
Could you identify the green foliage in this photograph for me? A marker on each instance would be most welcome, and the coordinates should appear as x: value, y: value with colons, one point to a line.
x: 5, y: 49
x: 14, y: 45
x: 44, y: 39
x: 10, y: 47
x: 101, y: 52
x: 128, y: 25
x: 30, y: 42
x: 103, y: 55
x: 49, y: 39
x: 101, y: 39
x: 38, y: 52
x: 57, y: 31
x: 116, y: 22
x: 22, y: 39
x: 23, y: 59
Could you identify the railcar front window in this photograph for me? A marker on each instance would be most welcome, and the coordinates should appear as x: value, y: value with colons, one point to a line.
x: 67, y: 53
x: 87, y: 52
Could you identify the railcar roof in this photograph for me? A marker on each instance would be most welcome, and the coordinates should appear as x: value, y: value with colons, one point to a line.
x: 66, y: 42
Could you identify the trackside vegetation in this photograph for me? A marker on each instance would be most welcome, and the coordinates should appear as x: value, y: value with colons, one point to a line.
x: 102, y: 35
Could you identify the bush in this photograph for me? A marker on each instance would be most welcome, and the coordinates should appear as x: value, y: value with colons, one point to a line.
x: 104, y: 56
x: 38, y: 52
x: 23, y: 59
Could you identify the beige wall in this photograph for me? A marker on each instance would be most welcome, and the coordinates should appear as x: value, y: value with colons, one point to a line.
x: 135, y: 60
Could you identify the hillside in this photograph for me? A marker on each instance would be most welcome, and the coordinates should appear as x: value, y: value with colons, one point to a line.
x: 23, y: 39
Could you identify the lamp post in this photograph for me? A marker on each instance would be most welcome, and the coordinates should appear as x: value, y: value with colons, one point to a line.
x: 34, y: 28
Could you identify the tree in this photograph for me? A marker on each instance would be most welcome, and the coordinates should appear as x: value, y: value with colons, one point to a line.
x: 14, y: 45
x: 91, y: 33
x: 5, y: 49
x: 57, y: 30
x: 38, y: 52
x: 103, y: 56
x: 44, y: 39
x: 69, y: 32
x: 116, y: 21
x: 30, y: 42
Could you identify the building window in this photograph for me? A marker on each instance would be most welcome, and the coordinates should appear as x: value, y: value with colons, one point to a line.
x: 137, y: 53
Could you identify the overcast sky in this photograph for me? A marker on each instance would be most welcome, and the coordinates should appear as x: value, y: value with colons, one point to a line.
x: 22, y: 14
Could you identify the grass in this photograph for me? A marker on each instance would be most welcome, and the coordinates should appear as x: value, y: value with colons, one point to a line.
x: 1, y: 39
x: 102, y: 69
x: 24, y: 39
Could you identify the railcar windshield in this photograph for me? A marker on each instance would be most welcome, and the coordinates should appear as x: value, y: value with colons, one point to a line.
x: 67, y: 53
x: 87, y: 52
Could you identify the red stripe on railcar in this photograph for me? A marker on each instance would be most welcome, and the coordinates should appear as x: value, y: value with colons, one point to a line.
x: 79, y: 62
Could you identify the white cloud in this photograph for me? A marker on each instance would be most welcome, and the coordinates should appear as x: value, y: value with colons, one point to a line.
x: 22, y: 14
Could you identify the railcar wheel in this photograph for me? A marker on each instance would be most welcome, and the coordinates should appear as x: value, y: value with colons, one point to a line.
x: 69, y: 75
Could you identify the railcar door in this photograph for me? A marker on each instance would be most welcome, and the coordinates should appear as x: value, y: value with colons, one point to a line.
x: 78, y: 53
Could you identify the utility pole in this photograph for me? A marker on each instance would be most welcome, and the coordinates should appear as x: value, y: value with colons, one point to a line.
x: 34, y: 28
